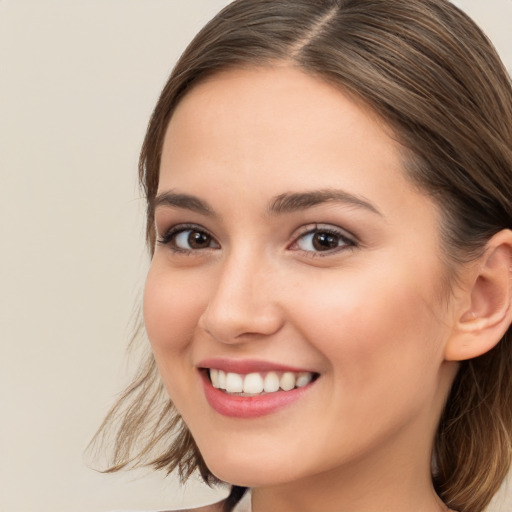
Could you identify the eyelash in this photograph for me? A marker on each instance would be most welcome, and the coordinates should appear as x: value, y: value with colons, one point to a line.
x: 348, y: 242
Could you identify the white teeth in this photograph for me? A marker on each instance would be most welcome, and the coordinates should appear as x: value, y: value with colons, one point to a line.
x: 214, y: 377
x: 234, y: 383
x: 271, y: 382
x: 303, y: 379
x: 255, y: 383
x: 222, y: 379
x: 287, y: 381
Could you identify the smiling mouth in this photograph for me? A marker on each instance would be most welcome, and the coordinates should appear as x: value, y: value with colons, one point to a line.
x: 258, y: 383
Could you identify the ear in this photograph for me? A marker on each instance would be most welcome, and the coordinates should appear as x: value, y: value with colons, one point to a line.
x: 486, y: 311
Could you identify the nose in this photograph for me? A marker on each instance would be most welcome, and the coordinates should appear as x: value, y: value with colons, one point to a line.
x: 243, y: 304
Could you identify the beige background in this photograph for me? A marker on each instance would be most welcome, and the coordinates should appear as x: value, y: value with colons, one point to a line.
x: 78, y: 82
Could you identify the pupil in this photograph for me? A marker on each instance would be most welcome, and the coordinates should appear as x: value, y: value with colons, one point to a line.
x: 324, y: 241
x: 198, y: 240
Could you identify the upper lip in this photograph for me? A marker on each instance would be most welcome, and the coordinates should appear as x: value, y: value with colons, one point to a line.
x: 245, y: 366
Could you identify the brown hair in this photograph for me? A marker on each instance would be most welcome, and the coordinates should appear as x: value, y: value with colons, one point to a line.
x: 434, y: 77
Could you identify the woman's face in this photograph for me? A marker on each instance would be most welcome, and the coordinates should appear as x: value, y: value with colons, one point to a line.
x: 291, y: 248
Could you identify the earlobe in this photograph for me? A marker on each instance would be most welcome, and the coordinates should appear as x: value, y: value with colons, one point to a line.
x: 481, y: 324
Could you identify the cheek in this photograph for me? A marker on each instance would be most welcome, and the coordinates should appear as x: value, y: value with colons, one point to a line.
x: 381, y: 344
x: 373, y: 327
x: 173, y: 304
x: 172, y: 307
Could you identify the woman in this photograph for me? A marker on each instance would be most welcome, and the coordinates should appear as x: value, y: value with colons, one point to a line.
x: 329, y: 299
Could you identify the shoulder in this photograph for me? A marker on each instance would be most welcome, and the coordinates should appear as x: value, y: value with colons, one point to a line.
x: 214, y: 507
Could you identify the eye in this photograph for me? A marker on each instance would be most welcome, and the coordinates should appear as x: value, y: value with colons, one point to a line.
x: 323, y: 239
x: 187, y: 239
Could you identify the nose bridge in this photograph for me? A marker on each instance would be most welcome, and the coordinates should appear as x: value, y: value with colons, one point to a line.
x: 241, y: 302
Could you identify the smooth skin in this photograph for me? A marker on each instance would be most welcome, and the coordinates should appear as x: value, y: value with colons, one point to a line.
x: 350, y: 283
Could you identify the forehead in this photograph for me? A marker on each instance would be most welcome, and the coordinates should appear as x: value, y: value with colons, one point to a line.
x: 273, y: 119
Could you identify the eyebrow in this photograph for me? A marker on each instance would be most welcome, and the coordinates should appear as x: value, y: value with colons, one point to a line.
x: 283, y: 203
x: 292, y: 202
x: 184, y: 201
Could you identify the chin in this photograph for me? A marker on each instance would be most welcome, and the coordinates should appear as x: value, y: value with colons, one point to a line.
x: 238, y: 470
x: 248, y: 477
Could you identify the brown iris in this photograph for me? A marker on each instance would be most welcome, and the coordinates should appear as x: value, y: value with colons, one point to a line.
x: 323, y: 241
x: 198, y: 240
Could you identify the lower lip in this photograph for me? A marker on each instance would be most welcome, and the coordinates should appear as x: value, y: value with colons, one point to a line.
x: 236, y: 406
